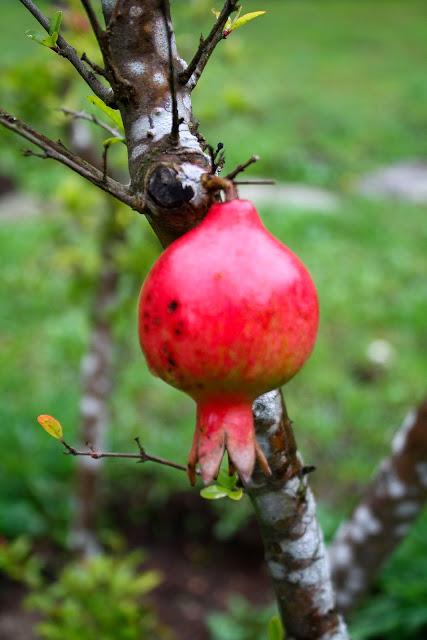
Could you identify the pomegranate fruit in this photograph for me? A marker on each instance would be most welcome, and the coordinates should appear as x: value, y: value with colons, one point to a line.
x: 227, y: 313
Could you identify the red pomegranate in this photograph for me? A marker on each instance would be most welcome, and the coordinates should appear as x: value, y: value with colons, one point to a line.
x: 227, y: 313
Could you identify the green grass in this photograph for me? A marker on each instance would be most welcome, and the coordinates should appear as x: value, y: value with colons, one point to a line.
x: 321, y: 90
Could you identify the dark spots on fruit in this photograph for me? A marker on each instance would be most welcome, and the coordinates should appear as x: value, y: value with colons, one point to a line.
x: 171, y: 361
x: 146, y: 314
x: 157, y: 321
x: 200, y: 385
x: 173, y: 306
x: 179, y: 328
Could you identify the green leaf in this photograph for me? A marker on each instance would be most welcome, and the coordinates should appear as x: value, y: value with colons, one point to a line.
x: 112, y: 114
x: 235, y: 494
x: 228, y: 24
x: 240, y: 22
x: 113, y: 140
x: 275, y: 629
x: 46, y: 41
x: 55, y: 24
x: 213, y: 492
x: 54, y: 28
x: 225, y: 480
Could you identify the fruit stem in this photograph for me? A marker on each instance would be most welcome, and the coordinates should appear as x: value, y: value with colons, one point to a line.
x: 215, y: 183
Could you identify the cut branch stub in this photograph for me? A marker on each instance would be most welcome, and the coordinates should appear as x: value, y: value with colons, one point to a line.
x: 176, y: 200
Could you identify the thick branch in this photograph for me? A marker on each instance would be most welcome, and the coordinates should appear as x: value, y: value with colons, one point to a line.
x: 207, y: 46
x: 385, y: 514
x: 57, y: 151
x: 293, y: 541
x: 64, y: 49
x: 166, y: 170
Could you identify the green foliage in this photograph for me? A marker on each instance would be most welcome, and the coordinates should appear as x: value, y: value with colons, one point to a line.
x: 103, y: 597
x: 54, y: 28
x: 238, y: 20
x: 19, y: 563
x: 275, y: 629
x: 225, y: 486
x: 112, y: 114
x: 242, y: 621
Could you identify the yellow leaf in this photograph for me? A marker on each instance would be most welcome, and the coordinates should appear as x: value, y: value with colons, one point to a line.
x: 51, y: 425
x: 240, y: 22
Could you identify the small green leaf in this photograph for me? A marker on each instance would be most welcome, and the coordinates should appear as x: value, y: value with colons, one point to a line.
x: 235, y: 494
x: 113, y: 140
x: 240, y: 22
x: 41, y: 38
x: 55, y: 24
x: 227, y: 26
x: 50, y: 40
x: 112, y: 114
x: 51, y: 425
x: 225, y: 480
x: 275, y: 629
x: 213, y: 492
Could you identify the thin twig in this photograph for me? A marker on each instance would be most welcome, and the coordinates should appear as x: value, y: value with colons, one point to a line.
x: 57, y: 151
x: 141, y: 456
x: 206, y: 46
x: 100, y: 71
x: 241, y: 167
x: 174, y: 134
x: 83, y: 115
x: 105, y: 160
x: 96, y: 27
x: 216, y: 156
x: 261, y: 182
x: 64, y: 49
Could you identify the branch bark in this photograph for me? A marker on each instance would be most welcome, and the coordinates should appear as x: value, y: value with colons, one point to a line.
x: 64, y: 49
x: 57, y: 151
x: 385, y: 514
x: 294, y: 547
x: 165, y: 171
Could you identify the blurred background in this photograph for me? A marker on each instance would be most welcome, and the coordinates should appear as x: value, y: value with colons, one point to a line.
x: 333, y: 96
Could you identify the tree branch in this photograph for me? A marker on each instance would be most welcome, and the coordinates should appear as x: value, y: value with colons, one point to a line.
x: 241, y: 167
x: 57, y: 151
x: 294, y: 547
x: 194, y: 70
x: 385, y: 514
x: 141, y: 456
x: 174, y: 134
x: 64, y: 49
x: 96, y: 27
x: 83, y: 115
